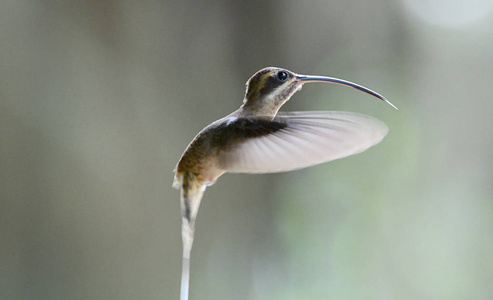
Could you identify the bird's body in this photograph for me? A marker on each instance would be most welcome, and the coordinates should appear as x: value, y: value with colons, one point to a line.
x: 257, y: 139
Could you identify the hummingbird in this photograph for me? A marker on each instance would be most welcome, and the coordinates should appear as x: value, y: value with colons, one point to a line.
x: 256, y: 138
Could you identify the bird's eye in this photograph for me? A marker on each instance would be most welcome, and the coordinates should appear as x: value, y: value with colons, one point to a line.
x: 282, y: 75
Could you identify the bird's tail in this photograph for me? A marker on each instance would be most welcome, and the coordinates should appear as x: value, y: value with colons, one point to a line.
x: 191, y: 195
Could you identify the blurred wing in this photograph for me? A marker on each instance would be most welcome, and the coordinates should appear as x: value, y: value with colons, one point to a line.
x: 300, y: 139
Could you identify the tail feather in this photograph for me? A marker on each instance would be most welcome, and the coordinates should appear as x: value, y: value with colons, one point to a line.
x: 191, y: 195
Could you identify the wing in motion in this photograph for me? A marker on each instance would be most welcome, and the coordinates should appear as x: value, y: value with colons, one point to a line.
x: 299, y: 139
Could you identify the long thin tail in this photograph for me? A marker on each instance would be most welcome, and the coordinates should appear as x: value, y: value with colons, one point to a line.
x: 185, y: 275
x: 191, y: 194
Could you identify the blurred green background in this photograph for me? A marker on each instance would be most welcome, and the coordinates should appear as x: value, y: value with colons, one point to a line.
x: 98, y: 99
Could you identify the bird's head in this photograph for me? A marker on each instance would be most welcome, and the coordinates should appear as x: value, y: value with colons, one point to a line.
x: 268, y: 89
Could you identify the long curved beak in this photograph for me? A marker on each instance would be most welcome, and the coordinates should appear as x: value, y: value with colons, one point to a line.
x: 302, y: 79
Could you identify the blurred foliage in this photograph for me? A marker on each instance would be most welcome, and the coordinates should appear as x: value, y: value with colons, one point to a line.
x: 98, y: 99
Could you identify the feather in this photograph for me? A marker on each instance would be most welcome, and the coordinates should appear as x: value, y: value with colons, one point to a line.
x: 297, y: 140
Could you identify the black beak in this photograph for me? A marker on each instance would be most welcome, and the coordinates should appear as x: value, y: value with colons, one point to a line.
x: 302, y: 79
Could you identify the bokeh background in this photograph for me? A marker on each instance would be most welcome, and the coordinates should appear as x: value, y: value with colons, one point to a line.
x: 98, y: 99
